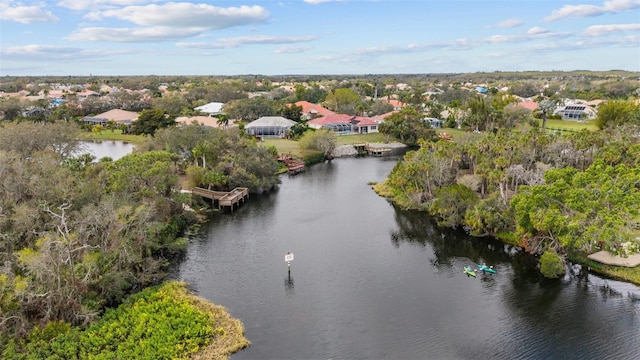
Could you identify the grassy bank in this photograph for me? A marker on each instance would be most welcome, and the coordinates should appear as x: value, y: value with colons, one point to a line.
x: 621, y: 273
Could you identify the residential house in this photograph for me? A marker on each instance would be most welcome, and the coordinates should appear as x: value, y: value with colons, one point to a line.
x: 211, y: 109
x: 378, y: 119
x: 269, y: 127
x: 312, y: 111
x: 345, y: 124
x: 210, y: 121
x: 529, y: 105
x: 364, y: 125
x: 86, y: 93
x: 116, y: 115
x: 340, y: 123
x: 397, y: 104
x: 435, y: 123
x: 576, y: 112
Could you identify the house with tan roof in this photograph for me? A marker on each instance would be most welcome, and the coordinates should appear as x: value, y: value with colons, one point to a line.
x: 312, y: 111
x: 378, y: 119
x: 210, y: 121
x: 87, y: 93
x: 116, y: 115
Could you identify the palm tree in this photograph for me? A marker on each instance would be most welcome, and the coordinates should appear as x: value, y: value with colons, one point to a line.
x: 199, y: 151
x: 223, y: 121
x: 546, y: 107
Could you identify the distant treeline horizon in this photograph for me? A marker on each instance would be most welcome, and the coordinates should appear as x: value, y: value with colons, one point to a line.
x: 408, y: 77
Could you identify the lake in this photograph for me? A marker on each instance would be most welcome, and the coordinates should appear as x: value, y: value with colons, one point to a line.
x: 371, y: 281
x: 114, y: 149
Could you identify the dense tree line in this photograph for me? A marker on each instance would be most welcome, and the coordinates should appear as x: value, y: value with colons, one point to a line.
x: 577, y: 192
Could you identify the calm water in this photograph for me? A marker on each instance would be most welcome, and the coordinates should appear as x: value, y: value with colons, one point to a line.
x: 107, y: 148
x: 370, y: 281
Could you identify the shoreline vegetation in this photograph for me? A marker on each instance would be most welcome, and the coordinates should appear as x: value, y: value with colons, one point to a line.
x: 631, y: 275
x: 160, y: 322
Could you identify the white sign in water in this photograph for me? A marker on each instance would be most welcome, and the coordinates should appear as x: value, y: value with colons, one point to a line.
x: 288, y: 257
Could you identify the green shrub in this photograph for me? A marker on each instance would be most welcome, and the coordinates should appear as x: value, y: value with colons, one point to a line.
x: 551, y: 265
x: 157, y: 323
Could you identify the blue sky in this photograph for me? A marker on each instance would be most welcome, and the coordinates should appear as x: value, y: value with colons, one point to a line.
x: 228, y: 37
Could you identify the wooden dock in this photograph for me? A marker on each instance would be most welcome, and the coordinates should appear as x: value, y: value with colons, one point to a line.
x: 293, y: 166
x: 231, y: 199
x: 371, y: 150
x: 378, y: 150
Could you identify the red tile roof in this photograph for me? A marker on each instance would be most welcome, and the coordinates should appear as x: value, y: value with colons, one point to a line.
x: 380, y: 118
x: 365, y: 121
x: 529, y: 105
x: 332, y: 119
x: 311, y: 108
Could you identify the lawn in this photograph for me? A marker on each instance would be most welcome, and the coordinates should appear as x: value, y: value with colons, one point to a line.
x: 112, y: 135
x: 286, y: 146
x: 570, y: 125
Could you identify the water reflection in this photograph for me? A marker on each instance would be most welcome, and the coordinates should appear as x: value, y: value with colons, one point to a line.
x: 107, y: 148
x: 289, y: 285
x: 375, y: 281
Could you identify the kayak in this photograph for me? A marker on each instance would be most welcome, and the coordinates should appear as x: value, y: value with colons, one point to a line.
x: 469, y: 271
x: 485, y: 268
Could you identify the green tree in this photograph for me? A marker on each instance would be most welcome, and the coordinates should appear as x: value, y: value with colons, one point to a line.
x: 380, y: 107
x: 551, y: 265
x: 173, y: 104
x: 343, y: 101
x: 250, y: 109
x: 291, y: 112
x: 149, y: 121
x: 408, y: 126
x: 614, y: 113
x: 11, y: 107
x: 480, y: 111
x: 322, y: 140
x: 451, y: 203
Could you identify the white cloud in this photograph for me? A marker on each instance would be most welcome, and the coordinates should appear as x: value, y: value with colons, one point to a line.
x: 188, y: 15
x: 510, y: 23
x: 226, y: 43
x: 599, y: 30
x: 315, y: 2
x: 80, y: 5
x: 536, y: 30
x: 12, y: 11
x: 581, y: 11
x: 169, y: 21
x: 51, y: 53
x: 291, y: 49
x: 157, y: 33
x: 533, y: 33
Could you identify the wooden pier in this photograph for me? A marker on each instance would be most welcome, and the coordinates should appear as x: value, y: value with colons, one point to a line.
x: 371, y: 150
x: 378, y: 150
x: 231, y: 199
x: 293, y: 166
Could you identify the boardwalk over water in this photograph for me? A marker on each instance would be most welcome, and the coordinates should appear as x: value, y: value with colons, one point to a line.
x: 231, y: 199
